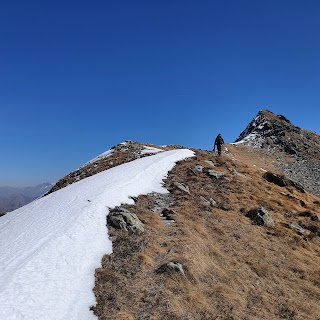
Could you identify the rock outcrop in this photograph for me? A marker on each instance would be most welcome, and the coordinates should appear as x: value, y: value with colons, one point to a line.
x: 123, y: 219
x: 296, y: 150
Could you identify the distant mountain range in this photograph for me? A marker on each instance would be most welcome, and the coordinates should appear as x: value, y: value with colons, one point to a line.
x: 12, y: 198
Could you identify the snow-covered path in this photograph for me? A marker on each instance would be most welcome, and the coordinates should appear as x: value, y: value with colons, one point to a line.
x: 50, y: 248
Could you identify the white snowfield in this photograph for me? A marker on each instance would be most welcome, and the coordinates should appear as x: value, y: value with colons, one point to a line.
x: 149, y: 150
x: 51, y: 247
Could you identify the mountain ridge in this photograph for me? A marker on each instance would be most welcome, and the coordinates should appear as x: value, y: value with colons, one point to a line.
x: 235, y: 236
x: 207, y: 251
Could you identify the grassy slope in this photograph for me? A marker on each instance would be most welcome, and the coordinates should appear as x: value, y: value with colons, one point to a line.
x: 234, y: 269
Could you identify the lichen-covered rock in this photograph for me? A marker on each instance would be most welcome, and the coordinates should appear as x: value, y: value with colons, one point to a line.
x: 260, y: 216
x: 122, y: 218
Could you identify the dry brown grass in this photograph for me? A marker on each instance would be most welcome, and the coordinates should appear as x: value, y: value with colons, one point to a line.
x: 233, y: 268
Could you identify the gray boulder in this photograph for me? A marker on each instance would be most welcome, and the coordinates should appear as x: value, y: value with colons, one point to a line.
x: 121, y: 218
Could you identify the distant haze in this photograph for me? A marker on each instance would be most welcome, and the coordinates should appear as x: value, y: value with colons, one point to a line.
x: 12, y: 198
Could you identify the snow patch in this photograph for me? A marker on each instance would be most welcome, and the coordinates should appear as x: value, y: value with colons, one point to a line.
x: 51, y: 247
x: 101, y: 156
x: 148, y: 150
x: 249, y: 138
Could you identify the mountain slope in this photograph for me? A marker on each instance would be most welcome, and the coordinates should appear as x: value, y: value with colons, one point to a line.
x: 50, y: 248
x: 204, y: 256
x: 234, y: 237
x: 13, y: 198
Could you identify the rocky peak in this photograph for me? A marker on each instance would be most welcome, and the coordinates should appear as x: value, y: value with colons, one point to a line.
x: 265, y: 126
x: 295, y: 149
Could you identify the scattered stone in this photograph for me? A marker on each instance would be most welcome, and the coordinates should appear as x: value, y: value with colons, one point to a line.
x: 123, y: 219
x: 235, y: 172
x: 216, y: 174
x: 295, y: 227
x: 213, y: 203
x: 159, y: 201
x: 171, y: 266
x: 182, y: 187
x: 205, y: 201
x: 209, y: 162
x: 260, y: 216
x: 198, y: 168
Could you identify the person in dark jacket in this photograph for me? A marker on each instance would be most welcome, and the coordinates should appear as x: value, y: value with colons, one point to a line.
x: 218, y: 142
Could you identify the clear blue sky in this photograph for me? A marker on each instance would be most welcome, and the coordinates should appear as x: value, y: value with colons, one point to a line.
x: 77, y: 77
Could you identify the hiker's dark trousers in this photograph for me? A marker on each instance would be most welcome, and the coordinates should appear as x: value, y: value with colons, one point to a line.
x: 219, y: 149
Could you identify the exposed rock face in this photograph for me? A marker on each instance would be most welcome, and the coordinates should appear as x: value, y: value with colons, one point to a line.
x: 282, y: 181
x: 297, y: 150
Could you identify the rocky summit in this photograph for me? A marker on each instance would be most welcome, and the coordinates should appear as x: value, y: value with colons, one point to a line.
x: 295, y: 150
x: 237, y: 236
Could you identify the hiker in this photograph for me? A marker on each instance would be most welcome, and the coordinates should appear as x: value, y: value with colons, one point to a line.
x: 218, y: 142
